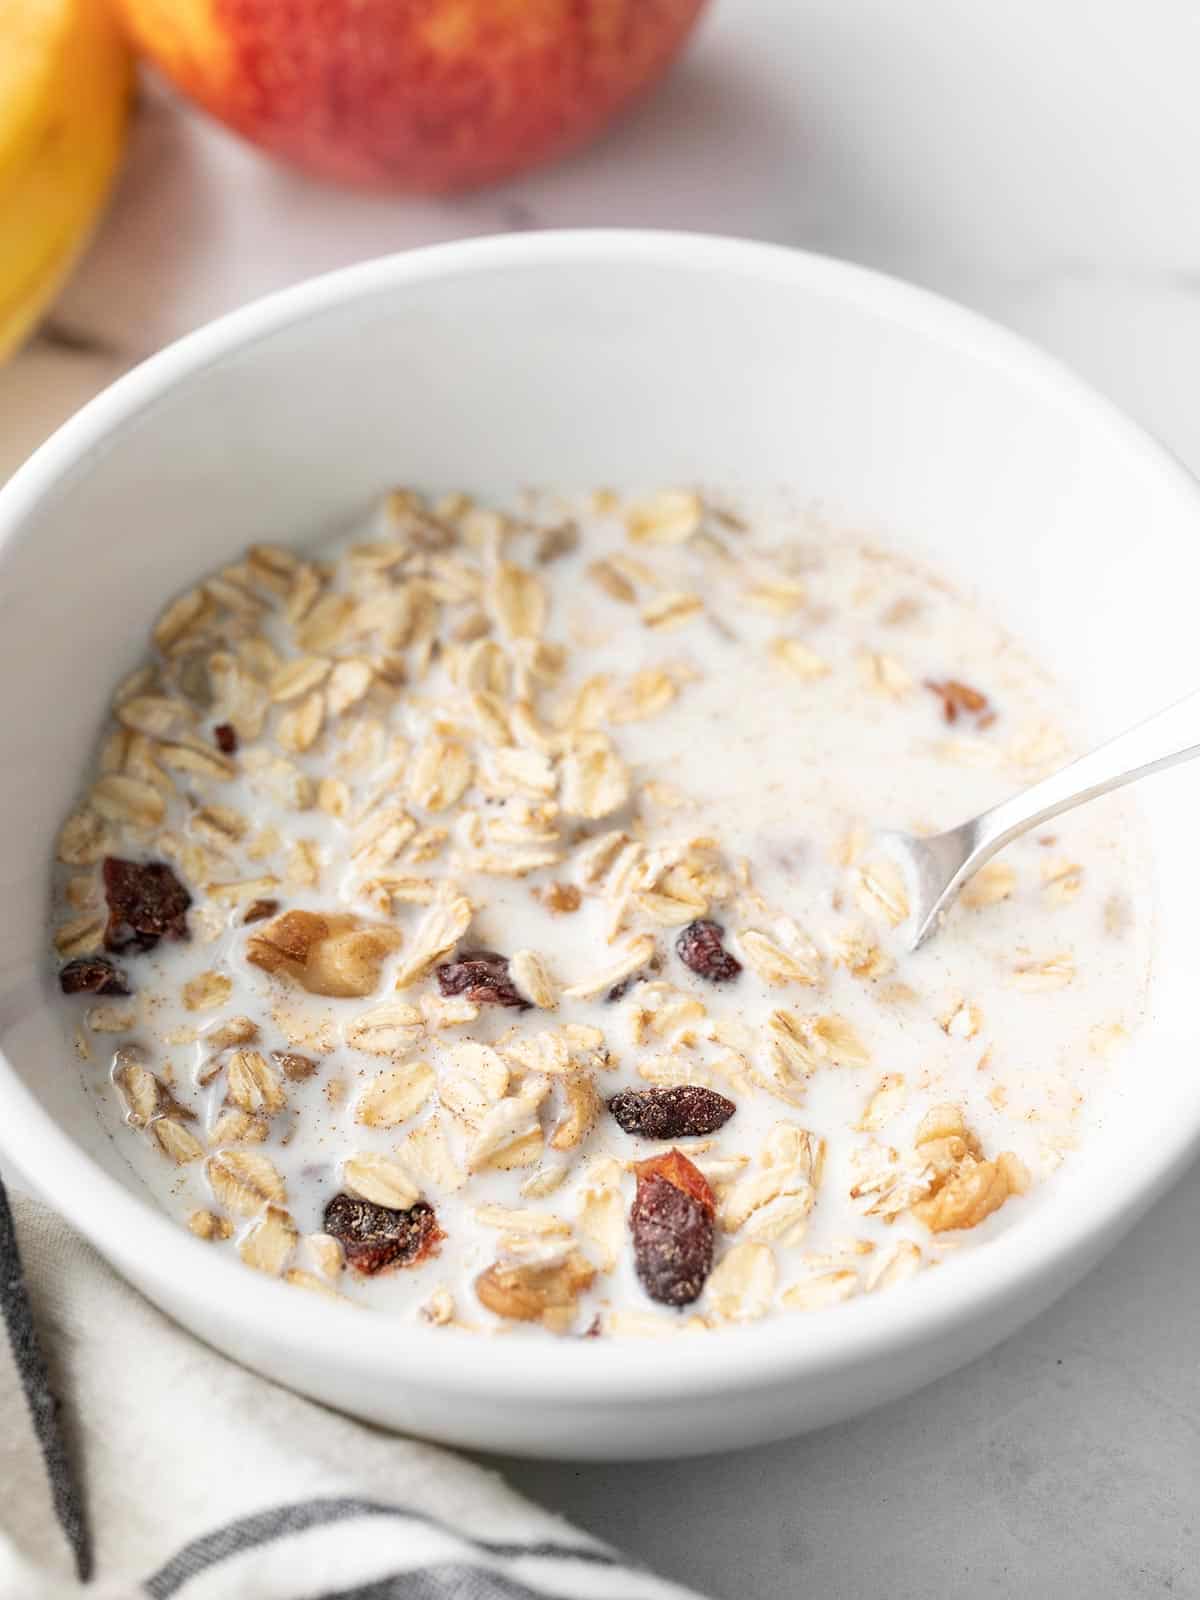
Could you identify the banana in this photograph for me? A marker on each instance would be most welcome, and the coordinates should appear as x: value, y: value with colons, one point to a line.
x: 65, y: 80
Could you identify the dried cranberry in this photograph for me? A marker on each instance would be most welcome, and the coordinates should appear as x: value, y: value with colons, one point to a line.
x: 376, y: 1237
x: 699, y: 947
x: 146, y: 902
x: 682, y: 1111
x: 226, y: 736
x: 482, y: 976
x: 672, y: 1225
x: 92, y: 975
x: 258, y: 909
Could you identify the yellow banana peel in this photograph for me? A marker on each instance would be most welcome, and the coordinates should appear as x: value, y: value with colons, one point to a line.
x: 65, y: 79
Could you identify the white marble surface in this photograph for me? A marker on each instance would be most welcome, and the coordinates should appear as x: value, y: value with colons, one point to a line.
x: 1037, y: 161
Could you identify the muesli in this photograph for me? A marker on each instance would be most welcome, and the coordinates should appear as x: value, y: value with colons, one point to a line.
x: 479, y: 917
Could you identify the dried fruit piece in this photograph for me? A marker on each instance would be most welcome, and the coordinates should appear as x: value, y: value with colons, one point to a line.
x: 681, y: 1111
x: 146, y: 903
x: 377, y: 1237
x: 959, y: 697
x: 481, y: 976
x: 672, y: 1225
x: 92, y: 975
x: 700, y: 947
x: 226, y: 736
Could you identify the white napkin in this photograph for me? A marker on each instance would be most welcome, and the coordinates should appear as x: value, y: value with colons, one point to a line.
x: 162, y: 1470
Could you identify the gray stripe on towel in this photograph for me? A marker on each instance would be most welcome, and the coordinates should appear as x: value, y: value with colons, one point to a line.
x: 43, y: 1406
x: 263, y: 1527
x: 441, y: 1583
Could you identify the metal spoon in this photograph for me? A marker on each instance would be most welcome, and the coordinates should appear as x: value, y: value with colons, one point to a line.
x: 936, y: 868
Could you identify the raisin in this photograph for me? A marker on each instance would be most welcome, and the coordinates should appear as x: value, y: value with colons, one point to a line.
x: 376, y: 1237
x: 672, y: 1225
x: 146, y: 902
x: 619, y: 990
x: 259, y: 909
x: 699, y: 947
x: 959, y: 697
x: 92, y: 975
x: 226, y: 736
x: 482, y: 976
x: 682, y: 1111
x: 675, y: 1167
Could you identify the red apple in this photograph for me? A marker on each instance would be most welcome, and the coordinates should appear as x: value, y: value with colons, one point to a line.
x: 412, y: 94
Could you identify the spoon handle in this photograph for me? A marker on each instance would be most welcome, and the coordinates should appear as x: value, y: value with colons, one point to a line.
x: 1161, y: 741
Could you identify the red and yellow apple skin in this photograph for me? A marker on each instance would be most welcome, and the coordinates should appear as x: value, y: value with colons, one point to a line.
x: 419, y: 95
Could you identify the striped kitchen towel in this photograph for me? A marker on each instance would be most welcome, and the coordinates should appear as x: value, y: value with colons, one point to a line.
x: 137, y: 1464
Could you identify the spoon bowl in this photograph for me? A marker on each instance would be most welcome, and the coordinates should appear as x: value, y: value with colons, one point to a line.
x: 936, y: 868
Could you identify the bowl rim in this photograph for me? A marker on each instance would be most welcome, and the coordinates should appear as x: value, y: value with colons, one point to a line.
x: 148, y: 1246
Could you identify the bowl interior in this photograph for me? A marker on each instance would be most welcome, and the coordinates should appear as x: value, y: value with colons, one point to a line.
x: 583, y: 360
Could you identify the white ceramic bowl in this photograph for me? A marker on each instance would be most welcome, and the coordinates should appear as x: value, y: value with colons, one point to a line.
x: 584, y: 359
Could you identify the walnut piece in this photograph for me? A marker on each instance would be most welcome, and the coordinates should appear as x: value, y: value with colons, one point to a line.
x: 530, y: 1291
x: 335, y: 955
x: 964, y: 1187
